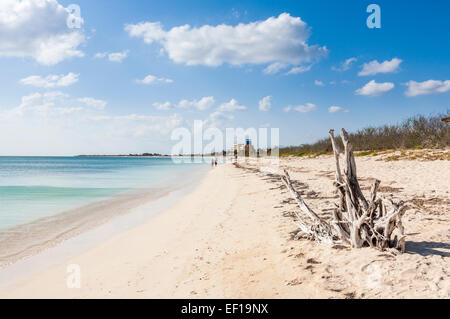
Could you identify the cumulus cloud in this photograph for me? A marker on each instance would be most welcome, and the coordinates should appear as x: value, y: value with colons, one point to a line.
x: 54, y: 123
x: 142, y: 124
x: 114, y: 56
x: 165, y: 106
x: 42, y: 104
x: 218, y: 119
x: 275, y: 68
x: 218, y: 116
x: 51, y: 81
x: 118, y: 56
x: 308, y: 107
x: 89, y: 101
x: 375, y: 67
x: 427, y: 87
x: 282, y: 39
x: 345, y: 65
x: 265, y: 104
x: 374, y: 89
x: 223, y: 113
x: 201, y: 105
x: 101, y: 55
x: 152, y: 79
x: 299, y: 69
x: 38, y: 29
x: 335, y: 109
x: 231, y: 106
x: 148, y: 31
x: 318, y: 83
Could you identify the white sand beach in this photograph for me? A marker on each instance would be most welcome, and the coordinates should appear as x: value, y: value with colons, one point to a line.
x: 231, y: 238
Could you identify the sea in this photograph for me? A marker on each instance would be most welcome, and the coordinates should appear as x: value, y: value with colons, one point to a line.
x: 33, y: 188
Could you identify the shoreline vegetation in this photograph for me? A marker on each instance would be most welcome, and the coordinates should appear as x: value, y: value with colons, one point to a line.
x: 418, y: 133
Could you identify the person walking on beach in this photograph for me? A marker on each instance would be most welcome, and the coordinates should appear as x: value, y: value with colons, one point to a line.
x: 215, y: 161
x: 212, y: 162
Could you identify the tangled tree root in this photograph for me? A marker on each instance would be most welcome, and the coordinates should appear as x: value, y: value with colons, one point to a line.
x: 357, y: 221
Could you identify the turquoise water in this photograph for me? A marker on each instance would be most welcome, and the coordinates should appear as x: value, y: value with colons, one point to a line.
x: 36, y: 187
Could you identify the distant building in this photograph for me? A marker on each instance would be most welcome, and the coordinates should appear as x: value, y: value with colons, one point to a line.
x: 243, y: 149
x: 249, y: 149
x: 238, y: 147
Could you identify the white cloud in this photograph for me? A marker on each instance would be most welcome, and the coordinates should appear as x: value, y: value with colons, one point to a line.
x: 299, y: 69
x: 231, y: 106
x: 345, y: 65
x: 42, y: 104
x: 217, y: 116
x: 163, y: 106
x: 54, y: 124
x: 152, y: 79
x: 201, y: 105
x: 223, y: 113
x: 373, y: 88
x: 97, y: 104
x: 149, y: 31
x: 38, y: 29
x: 335, y: 108
x: 265, y: 104
x: 101, y: 55
x: 308, y: 107
x: 51, y: 81
x: 281, y: 39
x: 218, y: 119
x: 275, y: 68
x: 375, y: 67
x: 318, y: 83
x: 118, y: 56
x: 427, y: 87
x: 114, y: 56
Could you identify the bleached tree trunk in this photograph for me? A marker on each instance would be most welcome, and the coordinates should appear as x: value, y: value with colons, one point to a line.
x: 356, y: 221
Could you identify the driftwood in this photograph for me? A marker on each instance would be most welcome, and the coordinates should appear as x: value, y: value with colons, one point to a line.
x: 357, y: 221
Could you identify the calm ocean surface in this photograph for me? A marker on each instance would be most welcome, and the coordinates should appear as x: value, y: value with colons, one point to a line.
x: 35, y: 187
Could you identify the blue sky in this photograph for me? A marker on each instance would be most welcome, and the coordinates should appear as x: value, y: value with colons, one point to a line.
x: 99, y: 105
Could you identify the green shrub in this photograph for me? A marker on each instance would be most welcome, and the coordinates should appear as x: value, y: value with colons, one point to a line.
x: 417, y: 132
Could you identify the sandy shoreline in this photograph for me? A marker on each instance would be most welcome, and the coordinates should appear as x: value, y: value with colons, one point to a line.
x: 77, y: 229
x: 32, y: 238
x: 231, y: 238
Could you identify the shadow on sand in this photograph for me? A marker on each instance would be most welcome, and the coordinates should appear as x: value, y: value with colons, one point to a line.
x: 428, y: 248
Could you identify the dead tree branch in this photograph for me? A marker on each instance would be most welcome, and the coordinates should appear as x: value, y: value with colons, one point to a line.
x: 357, y: 221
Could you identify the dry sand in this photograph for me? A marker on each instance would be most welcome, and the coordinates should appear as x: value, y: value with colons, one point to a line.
x: 231, y: 238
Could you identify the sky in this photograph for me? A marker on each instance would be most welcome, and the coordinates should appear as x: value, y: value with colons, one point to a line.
x: 120, y: 76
